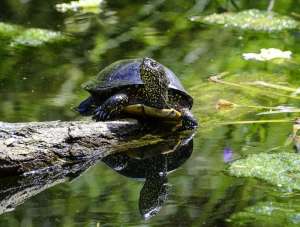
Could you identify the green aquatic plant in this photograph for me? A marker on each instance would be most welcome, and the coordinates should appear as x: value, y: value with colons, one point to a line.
x: 253, y: 19
x: 16, y: 35
x: 8, y: 30
x: 80, y: 5
x: 273, y: 213
x: 280, y: 169
x: 36, y: 37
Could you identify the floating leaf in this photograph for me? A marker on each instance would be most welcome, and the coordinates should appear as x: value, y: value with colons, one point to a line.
x: 252, y: 19
x: 83, y: 5
x: 281, y: 169
x: 268, y: 54
x: 273, y: 213
x: 223, y: 104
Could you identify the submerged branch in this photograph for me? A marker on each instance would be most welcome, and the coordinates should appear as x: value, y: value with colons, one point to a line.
x: 252, y: 87
x: 256, y: 122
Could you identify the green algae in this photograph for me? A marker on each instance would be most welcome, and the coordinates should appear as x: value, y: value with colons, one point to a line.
x: 280, y: 169
x: 16, y: 35
x: 273, y: 213
x: 253, y: 19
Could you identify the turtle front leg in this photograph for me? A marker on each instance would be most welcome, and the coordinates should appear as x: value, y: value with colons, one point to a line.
x: 188, y: 121
x: 111, y: 107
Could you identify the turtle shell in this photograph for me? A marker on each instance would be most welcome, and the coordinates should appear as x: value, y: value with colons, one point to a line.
x: 127, y: 73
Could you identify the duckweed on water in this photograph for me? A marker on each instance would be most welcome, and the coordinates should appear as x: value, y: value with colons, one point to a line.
x: 273, y: 213
x: 253, y: 19
x: 281, y: 169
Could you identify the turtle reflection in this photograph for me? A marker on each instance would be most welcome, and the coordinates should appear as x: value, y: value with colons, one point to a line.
x: 152, y: 164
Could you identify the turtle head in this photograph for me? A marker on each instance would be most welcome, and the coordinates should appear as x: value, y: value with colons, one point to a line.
x: 152, y: 71
x: 150, y: 66
x: 155, y: 81
x: 153, y: 75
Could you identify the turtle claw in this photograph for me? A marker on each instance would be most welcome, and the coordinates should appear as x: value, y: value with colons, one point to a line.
x: 100, y: 114
x: 111, y: 108
x: 188, y: 122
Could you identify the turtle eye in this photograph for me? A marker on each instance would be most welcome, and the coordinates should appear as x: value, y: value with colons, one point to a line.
x: 153, y: 64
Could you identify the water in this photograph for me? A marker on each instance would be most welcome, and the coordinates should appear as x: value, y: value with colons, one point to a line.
x: 43, y: 83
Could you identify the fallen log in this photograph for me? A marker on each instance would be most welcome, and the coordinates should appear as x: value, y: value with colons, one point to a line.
x: 36, y: 156
x: 26, y: 147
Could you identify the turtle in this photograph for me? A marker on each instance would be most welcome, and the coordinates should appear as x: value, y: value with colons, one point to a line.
x: 140, y: 87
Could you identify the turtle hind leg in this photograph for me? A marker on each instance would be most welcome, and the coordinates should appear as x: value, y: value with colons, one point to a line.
x: 188, y: 120
x: 86, y: 107
x: 111, y: 108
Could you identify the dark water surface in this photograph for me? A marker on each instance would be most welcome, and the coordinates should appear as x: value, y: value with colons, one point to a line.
x: 43, y: 83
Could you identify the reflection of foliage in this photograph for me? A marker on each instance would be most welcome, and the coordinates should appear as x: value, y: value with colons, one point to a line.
x: 44, y: 83
x: 251, y: 20
x: 273, y: 213
x: 280, y: 169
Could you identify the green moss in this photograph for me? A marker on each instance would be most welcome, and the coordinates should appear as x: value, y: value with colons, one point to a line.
x: 268, y: 214
x: 252, y: 19
x: 282, y: 169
